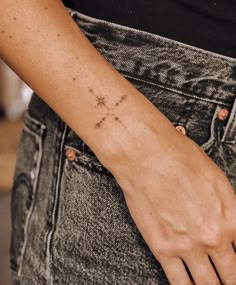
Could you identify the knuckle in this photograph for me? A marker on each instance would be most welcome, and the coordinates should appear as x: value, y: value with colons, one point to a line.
x: 212, y: 238
x: 161, y: 249
x: 185, y: 247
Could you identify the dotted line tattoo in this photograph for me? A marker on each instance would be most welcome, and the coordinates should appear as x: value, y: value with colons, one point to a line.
x: 101, y: 102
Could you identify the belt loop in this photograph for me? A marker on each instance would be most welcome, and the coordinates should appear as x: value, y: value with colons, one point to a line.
x: 230, y: 129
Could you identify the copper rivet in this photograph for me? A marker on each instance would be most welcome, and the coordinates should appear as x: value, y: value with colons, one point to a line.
x: 223, y: 114
x: 181, y: 129
x: 70, y: 154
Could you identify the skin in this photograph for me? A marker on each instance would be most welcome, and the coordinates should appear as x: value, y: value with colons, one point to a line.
x: 167, y: 180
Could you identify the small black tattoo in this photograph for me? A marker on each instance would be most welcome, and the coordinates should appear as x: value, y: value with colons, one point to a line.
x: 97, y: 125
x: 100, y: 101
x: 121, y: 99
x: 118, y: 120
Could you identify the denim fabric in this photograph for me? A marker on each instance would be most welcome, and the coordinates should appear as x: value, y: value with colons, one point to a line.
x: 70, y: 221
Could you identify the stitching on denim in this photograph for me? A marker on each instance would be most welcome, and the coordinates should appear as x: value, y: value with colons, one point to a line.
x: 212, y: 138
x: 54, y: 210
x: 28, y: 117
x: 177, y: 91
x: 38, y: 138
x: 228, y: 130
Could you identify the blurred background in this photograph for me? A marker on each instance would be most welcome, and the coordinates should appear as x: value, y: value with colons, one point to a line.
x: 14, y: 99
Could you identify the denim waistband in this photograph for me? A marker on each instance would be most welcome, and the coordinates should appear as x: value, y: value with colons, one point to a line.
x: 161, y: 61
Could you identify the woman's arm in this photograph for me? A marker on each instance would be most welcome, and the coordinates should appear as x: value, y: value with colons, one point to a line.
x: 44, y: 46
x: 40, y: 41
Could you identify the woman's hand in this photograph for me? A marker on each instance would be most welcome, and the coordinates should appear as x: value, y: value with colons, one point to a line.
x: 183, y: 205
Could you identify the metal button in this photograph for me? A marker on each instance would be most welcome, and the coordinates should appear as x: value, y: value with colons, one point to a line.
x: 223, y: 114
x: 70, y: 154
x: 181, y: 129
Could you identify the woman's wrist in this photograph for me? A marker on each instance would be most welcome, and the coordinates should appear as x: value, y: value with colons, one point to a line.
x: 131, y: 132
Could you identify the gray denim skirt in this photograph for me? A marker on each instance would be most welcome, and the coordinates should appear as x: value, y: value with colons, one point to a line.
x: 70, y: 222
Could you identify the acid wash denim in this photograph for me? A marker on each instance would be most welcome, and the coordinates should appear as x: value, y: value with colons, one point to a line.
x: 70, y: 222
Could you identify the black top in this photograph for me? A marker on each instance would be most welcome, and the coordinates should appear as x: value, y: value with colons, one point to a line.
x: 207, y: 24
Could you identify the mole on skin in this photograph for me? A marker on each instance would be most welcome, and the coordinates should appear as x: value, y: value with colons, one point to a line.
x: 14, y: 18
x: 74, y: 78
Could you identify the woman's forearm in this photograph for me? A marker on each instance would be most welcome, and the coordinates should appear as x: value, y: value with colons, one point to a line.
x: 42, y: 43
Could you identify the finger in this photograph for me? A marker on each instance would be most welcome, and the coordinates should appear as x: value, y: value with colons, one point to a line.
x: 202, y: 270
x: 175, y: 271
x: 225, y: 263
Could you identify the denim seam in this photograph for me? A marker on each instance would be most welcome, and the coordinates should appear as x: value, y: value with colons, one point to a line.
x: 29, y: 214
x: 212, y: 138
x: 230, y: 127
x: 34, y: 121
x: 54, y: 210
x: 177, y: 91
